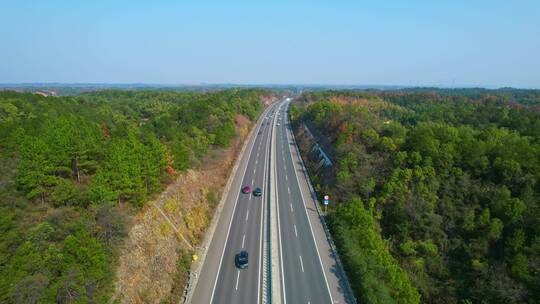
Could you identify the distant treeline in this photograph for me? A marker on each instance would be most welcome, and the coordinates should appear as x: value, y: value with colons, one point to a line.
x: 437, y: 194
x: 71, y: 165
x: 72, y: 89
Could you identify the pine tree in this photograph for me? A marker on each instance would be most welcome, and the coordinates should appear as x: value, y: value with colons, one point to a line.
x: 34, y: 171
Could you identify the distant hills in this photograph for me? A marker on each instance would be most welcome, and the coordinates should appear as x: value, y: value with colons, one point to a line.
x: 77, y: 88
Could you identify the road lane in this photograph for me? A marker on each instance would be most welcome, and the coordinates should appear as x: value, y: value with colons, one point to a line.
x: 239, y: 227
x: 247, y: 219
x: 303, y: 278
x: 335, y: 278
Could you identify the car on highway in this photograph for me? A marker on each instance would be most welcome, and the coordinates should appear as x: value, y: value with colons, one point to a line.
x: 257, y: 192
x: 241, y: 259
x: 246, y: 190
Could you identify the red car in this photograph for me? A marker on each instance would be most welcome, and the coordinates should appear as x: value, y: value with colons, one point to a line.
x: 246, y: 190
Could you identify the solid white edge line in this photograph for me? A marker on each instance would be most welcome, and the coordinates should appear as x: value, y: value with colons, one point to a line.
x: 309, y: 222
x: 254, y: 138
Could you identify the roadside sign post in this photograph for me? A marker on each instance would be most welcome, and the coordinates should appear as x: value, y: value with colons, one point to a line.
x: 326, y: 201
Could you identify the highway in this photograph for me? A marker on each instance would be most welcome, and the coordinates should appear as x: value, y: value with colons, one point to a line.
x: 240, y: 227
x: 307, y: 271
x: 303, y: 278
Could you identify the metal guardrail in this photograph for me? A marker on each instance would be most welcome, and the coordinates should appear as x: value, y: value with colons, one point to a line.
x: 267, y: 244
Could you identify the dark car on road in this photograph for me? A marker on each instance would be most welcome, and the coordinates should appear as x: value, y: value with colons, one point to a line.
x: 257, y: 192
x: 246, y: 189
x: 241, y: 259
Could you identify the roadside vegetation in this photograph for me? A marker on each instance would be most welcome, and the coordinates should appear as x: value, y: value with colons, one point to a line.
x: 73, y: 170
x: 436, y: 194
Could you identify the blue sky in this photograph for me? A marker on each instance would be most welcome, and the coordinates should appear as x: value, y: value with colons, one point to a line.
x: 449, y: 43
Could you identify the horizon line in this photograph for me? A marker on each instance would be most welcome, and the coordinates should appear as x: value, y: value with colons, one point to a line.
x: 232, y: 84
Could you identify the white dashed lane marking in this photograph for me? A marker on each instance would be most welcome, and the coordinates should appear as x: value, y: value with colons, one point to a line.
x: 237, y: 279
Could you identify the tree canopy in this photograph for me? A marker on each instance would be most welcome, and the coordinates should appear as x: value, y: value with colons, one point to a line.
x: 72, y: 167
x: 436, y: 192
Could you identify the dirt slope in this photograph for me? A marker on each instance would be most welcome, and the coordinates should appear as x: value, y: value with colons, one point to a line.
x: 155, y: 256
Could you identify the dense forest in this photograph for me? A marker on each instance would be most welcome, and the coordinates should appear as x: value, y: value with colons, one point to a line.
x: 436, y: 195
x: 73, y: 169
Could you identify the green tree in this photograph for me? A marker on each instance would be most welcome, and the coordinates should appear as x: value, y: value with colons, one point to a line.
x: 34, y: 170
